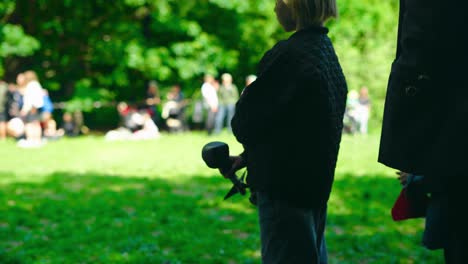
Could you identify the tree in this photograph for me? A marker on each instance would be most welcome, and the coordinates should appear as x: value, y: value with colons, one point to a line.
x: 98, y: 50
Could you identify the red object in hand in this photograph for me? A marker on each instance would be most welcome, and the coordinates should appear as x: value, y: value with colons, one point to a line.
x: 405, y: 208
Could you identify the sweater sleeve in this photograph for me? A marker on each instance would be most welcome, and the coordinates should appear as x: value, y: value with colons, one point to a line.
x: 280, y: 91
x: 257, y: 107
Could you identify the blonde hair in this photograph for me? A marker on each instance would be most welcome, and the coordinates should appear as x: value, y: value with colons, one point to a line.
x: 30, y: 76
x: 226, y: 77
x: 312, y: 12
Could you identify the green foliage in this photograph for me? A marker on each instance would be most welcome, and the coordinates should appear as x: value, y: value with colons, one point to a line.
x: 86, y: 96
x: 15, y: 42
x: 365, y: 39
x: 119, y: 46
x: 86, y: 200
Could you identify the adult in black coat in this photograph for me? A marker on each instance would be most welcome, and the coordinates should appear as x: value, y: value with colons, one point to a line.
x: 426, y: 111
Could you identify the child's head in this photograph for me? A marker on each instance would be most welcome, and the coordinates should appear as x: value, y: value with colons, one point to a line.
x: 122, y: 106
x: 67, y: 117
x: 152, y: 87
x: 364, y: 92
x: 176, y: 88
x: 30, y: 76
x: 20, y: 80
x: 208, y: 78
x: 299, y: 14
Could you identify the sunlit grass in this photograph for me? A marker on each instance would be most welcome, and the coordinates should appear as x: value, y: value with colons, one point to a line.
x: 86, y: 200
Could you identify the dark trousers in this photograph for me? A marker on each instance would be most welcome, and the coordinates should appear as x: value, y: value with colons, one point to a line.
x: 291, y: 235
x: 456, y: 250
x: 210, y: 121
x: 446, y: 226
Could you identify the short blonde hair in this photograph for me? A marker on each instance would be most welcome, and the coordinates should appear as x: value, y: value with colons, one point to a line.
x: 312, y: 12
x: 30, y: 76
x: 226, y: 77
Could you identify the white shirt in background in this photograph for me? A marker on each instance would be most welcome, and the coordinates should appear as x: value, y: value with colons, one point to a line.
x: 210, y: 95
x: 33, y: 96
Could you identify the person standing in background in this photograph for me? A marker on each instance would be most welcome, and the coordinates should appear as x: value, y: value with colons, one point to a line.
x: 210, y: 99
x: 174, y: 110
x: 3, y: 109
x: 228, y: 96
x: 351, y: 117
x: 364, y: 109
x: 152, y: 102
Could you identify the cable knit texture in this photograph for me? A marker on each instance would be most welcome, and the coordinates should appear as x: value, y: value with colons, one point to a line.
x: 290, y: 119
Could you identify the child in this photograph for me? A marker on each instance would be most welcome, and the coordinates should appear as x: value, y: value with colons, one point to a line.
x: 291, y: 168
x: 68, y: 127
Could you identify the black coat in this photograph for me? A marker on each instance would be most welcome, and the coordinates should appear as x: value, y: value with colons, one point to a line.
x: 426, y: 108
x: 291, y: 118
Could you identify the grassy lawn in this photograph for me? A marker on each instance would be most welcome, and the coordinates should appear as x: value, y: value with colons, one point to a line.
x: 86, y: 200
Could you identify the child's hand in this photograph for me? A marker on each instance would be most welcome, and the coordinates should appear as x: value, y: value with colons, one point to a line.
x: 237, y: 163
x: 402, y: 177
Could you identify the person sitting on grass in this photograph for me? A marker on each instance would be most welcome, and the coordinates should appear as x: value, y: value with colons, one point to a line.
x: 33, y: 100
x: 135, y: 125
x: 68, y: 127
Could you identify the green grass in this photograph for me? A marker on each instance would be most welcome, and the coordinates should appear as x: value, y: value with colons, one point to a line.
x: 90, y: 201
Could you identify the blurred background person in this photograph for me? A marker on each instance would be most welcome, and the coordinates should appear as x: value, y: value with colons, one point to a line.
x: 174, y: 110
x: 149, y: 129
x: 227, y: 98
x: 136, y: 125
x: 364, y: 108
x: 33, y: 100
x: 127, y: 124
x: 127, y: 113
x: 14, y: 103
x: 351, y: 116
x: 198, y: 112
x: 152, y: 101
x: 210, y: 99
x: 48, y: 124
x: 68, y: 127
x: 3, y: 109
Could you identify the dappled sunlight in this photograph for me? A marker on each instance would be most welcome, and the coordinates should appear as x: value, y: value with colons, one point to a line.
x: 360, y: 219
x: 358, y: 156
x: 121, y: 219
x: 158, y: 202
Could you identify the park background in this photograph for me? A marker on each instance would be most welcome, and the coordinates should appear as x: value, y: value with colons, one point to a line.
x: 85, y: 200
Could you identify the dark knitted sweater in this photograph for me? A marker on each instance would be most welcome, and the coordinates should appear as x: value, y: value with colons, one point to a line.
x: 291, y: 118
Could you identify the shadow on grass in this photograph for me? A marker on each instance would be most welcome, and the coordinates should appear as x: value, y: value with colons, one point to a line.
x: 360, y: 228
x: 94, y: 218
